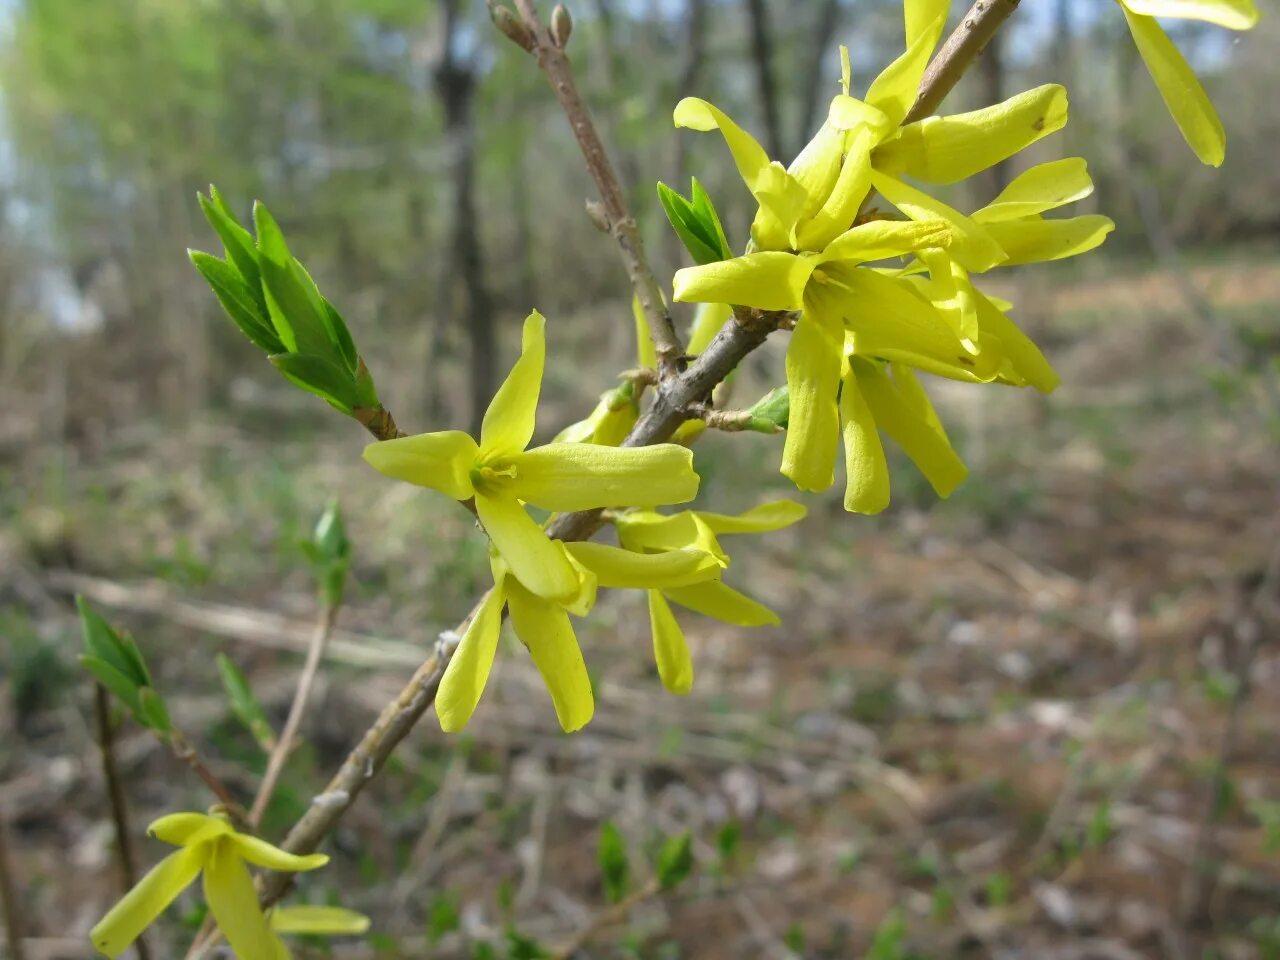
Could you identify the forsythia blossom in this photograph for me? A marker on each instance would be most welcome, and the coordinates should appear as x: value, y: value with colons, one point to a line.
x: 1181, y: 91
x: 211, y: 847
x: 503, y: 476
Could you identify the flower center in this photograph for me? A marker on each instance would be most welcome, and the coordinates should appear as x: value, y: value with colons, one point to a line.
x: 490, y: 478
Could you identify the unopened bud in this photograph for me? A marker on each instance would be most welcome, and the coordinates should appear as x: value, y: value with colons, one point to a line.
x: 511, y: 26
x: 561, y: 25
x: 595, y: 210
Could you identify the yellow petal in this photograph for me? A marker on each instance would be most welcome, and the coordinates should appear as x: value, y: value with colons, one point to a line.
x: 882, y: 239
x: 781, y: 200
x: 1182, y: 93
x: 707, y: 321
x: 949, y: 149
x: 533, y: 559
x: 972, y: 245
x: 508, y: 423
x: 646, y: 354
x: 816, y: 167
x: 851, y: 187
x: 327, y: 921
x: 1045, y: 186
x: 913, y: 430
x: 750, y: 158
x: 228, y: 889
x: 762, y: 518
x: 544, y: 628
x: 866, y: 487
x: 715, y: 599
x: 670, y: 651
x: 894, y: 90
x: 813, y: 376
x: 187, y: 828
x: 262, y: 854
x: 627, y: 569
x: 441, y: 461
x: 1232, y: 14
x: 891, y: 321
x: 468, y: 671
x: 770, y: 280
x: 577, y: 476
x: 149, y: 898
x: 1023, y: 357
x: 647, y: 530
x: 952, y: 293
x: 608, y: 424
x: 1034, y: 240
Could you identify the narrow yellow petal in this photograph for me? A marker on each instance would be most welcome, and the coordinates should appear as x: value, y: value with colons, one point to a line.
x: 762, y: 518
x: 468, y: 671
x: 715, y: 599
x: 1232, y: 14
x: 670, y: 651
x: 1034, y: 240
x: 441, y: 461
x: 949, y: 149
x: 1024, y: 359
x: 228, y: 889
x: 851, y: 187
x: 882, y: 239
x: 574, y: 476
x: 952, y: 293
x: 647, y: 530
x: 1181, y: 91
x: 1045, y: 186
x: 149, y: 898
x: 707, y: 321
x: 894, y: 90
x: 782, y: 200
x: 769, y: 280
x: 262, y: 854
x: 646, y: 353
x: 326, y: 921
x: 899, y: 417
x: 971, y: 245
x: 816, y: 167
x: 544, y: 628
x: 750, y: 158
x: 813, y: 376
x: 866, y: 488
x: 508, y: 423
x: 185, y: 828
x: 627, y: 569
x: 533, y: 559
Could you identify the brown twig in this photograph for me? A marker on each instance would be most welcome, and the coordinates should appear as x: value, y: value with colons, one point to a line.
x: 607, y: 917
x: 116, y: 798
x: 959, y: 51
x: 379, y: 421
x: 184, y: 751
x: 555, y: 66
x: 284, y: 744
x: 740, y: 335
x: 9, y: 899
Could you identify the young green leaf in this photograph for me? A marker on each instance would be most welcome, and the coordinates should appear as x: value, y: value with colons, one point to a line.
x: 675, y: 861
x: 237, y: 300
x: 244, y: 704
x: 330, y: 552
x: 614, y: 864
x: 773, y: 409
x: 319, y: 376
x: 115, y: 661
x: 238, y: 243
x: 706, y: 211
x: 698, y: 235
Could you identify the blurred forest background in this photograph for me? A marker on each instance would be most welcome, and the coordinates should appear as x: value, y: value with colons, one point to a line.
x: 1036, y: 720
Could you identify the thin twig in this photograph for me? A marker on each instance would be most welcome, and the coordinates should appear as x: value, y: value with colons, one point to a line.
x: 555, y: 66
x: 607, y: 918
x: 184, y: 751
x: 284, y: 743
x: 9, y: 899
x: 116, y: 798
x: 964, y: 45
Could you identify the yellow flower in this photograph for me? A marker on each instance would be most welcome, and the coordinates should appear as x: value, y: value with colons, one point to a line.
x: 209, y: 846
x: 503, y: 476
x: 313, y: 920
x: 543, y: 627
x: 1179, y: 88
x: 888, y: 317
x: 810, y: 203
x: 657, y: 540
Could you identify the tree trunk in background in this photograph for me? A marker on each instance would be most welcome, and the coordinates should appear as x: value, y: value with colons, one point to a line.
x: 455, y: 82
x: 825, y: 27
x: 762, y: 55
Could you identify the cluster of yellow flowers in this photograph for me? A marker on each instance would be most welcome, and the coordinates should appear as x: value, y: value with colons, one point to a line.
x: 877, y: 297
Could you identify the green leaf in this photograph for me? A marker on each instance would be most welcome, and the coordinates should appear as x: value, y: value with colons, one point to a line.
x: 244, y: 704
x: 111, y: 678
x: 296, y: 318
x: 520, y: 947
x: 103, y: 642
x: 728, y: 840
x: 773, y: 410
x: 614, y: 864
x: 675, y: 861
x: 237, y: 300
x: 442, y: 917
x: 706, y: 211
x: 698, y: 236
x: 341, y: 335
x: 236, y: 241
x: 319, y: 376
x: 330, y: 551
x: 152, y: 713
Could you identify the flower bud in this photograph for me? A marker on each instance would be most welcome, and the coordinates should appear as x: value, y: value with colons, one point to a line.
x: 561, y: 25
x: 596, y: 211
x: 505, y: 19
